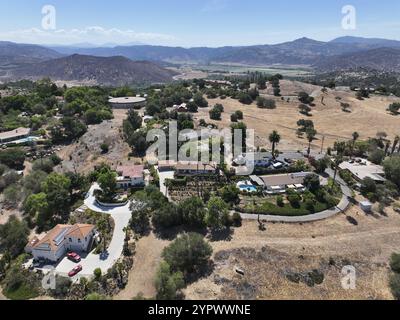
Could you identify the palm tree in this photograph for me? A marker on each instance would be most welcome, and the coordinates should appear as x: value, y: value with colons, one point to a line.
x: 337, y: 161
x: 387, y: 147
x: 274, y: 138
x: 324, y: 92
x: 355, y: 138
x: 311, y: 133
x: 102, y: 227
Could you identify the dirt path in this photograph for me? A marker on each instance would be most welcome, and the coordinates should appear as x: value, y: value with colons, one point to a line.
x: 147, y: 260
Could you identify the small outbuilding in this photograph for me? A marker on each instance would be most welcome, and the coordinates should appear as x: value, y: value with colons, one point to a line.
x: 366, y: 206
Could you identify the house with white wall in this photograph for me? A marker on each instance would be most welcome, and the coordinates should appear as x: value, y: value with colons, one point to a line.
x: 130, y: 176
x: 61, y: 239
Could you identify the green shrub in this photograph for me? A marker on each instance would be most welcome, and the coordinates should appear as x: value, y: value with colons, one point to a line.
x: 97, y: 273
x: 279, y: 201
x: 395, y: 285
x: 236, y: 219
x: 395, y: 262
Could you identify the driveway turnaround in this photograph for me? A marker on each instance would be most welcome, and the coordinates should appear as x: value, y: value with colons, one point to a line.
x: 341, y: 207
x: 121, y: 216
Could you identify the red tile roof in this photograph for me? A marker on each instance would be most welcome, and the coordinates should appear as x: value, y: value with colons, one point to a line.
x: 134, y: 171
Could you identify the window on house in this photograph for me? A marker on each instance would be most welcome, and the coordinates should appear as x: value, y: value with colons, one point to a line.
x: 79, y: 240
x: 70, y: 239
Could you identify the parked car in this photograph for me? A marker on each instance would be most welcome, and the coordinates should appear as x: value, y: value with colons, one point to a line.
x: 74, y: 257
x: 75, y: 271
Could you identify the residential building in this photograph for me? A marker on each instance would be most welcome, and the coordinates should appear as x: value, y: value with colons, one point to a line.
x: 61, y: 239
x: 194, y: 168
x: 130, y: 176
x: 14, y: 135
x: 255, y: 159
x: 361, y: 169
x: 275, y: 184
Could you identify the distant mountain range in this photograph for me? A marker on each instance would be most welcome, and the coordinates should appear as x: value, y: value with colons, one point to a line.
x: 384, y: 59
x: 113, y: 71
x: 73, y: 61
x: 13, y: 54
x: 302, y: 51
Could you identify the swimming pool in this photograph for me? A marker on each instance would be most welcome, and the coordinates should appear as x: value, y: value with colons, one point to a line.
x: 247, y: 188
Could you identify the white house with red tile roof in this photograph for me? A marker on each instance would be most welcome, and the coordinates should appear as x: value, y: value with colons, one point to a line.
x: 130, y: 176
x: 61, y: 239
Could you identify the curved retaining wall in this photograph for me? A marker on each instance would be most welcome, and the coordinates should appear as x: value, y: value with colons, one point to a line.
x: 111, y: 205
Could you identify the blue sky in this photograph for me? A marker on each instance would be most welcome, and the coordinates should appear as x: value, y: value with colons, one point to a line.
x: 194, y: 22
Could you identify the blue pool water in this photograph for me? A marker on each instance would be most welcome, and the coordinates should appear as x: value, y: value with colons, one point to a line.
x: 248, y: 188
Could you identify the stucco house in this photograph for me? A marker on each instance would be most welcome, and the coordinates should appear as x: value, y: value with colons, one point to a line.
x: 61, y: 239
x: 130, y: 176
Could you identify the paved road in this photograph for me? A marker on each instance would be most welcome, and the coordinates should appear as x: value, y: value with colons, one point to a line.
x: 121, y: 216
x: 164, y: 175
x: 341, y: 207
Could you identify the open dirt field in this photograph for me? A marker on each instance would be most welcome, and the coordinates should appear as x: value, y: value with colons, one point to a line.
x: 268, y: 257
x: 84, y: 155
x: 367, y: 117
x: 142, y: 275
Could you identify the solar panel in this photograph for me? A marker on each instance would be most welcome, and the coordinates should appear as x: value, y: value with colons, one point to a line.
x: 60, y: 237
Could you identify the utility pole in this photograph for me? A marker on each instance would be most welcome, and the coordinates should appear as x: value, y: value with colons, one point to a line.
x: 322, y: 145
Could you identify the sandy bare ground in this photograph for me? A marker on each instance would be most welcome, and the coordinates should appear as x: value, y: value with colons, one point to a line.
x: 142, y: 275
x: 84, y: 155
x: 5, y: 214
x: 363, y: 241
x: 367, y: 117
x: 2, y: 297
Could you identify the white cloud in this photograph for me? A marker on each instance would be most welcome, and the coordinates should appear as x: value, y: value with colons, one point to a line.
x: 93, y: 34
x: 215, y: 5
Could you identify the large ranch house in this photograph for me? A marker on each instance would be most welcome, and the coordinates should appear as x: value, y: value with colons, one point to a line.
x: 61, y: 239
x: 278, y: 184
x: 361, y: 169
x: 14, y: 135
x: 195, y: 168
x: 188, y: 168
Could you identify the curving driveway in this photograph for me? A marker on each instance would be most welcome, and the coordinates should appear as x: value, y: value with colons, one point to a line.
x: 121, y: 216
x: 341, y: 207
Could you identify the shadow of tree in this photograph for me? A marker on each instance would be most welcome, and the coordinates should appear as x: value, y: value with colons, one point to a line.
x: 221, y: 235
x: 351, y: 220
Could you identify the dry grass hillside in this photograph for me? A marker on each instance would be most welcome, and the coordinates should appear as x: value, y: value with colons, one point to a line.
x: 271, y: 258
x: 367, y: 117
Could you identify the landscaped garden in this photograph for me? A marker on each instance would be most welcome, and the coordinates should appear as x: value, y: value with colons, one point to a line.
x: 316, y: 199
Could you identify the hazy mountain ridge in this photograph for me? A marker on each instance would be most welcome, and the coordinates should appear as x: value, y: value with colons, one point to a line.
x: 14, y: 54
x: 385, y: 59
x: 102, y: 70
x: 301, y: 51
x: 22, y: 60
